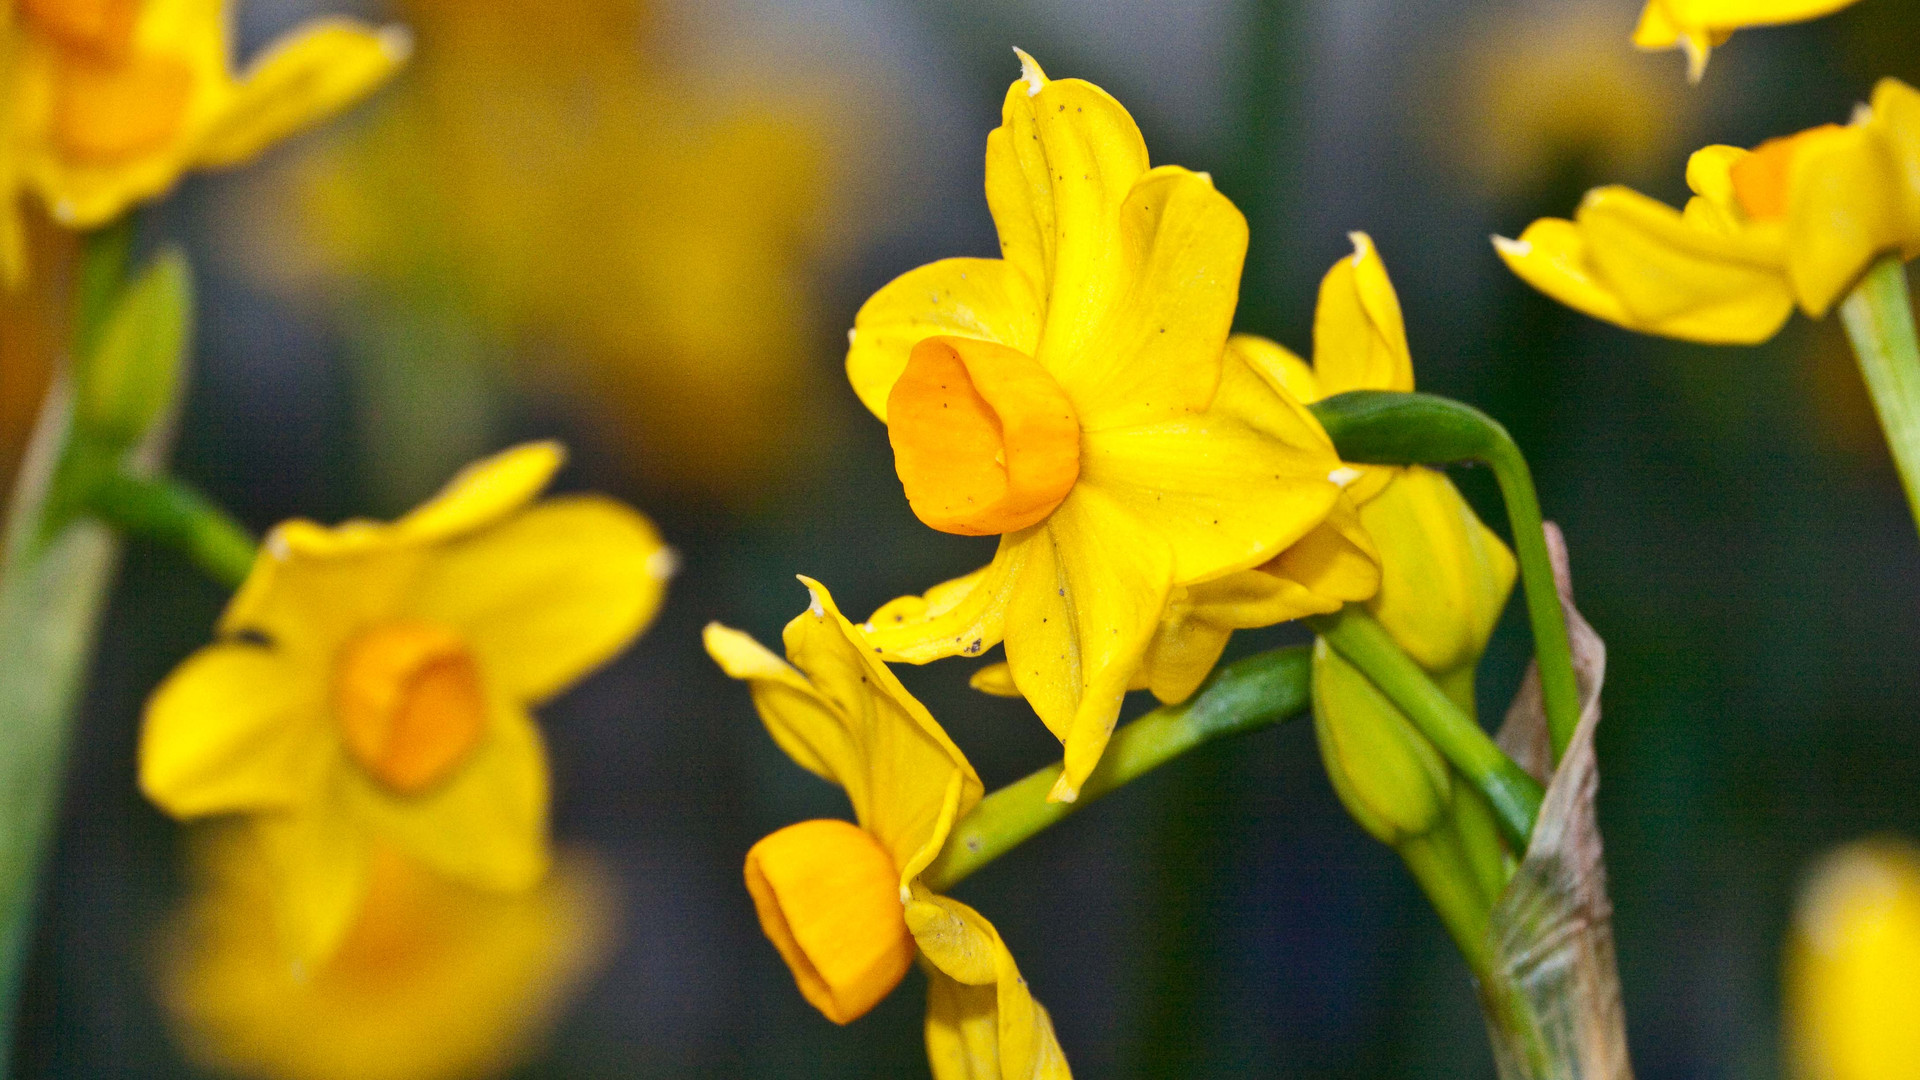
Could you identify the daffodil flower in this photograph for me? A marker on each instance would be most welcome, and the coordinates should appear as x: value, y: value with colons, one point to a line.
x: 110, y: 101
x: 1697, y: 26
x: 1851, y: 995
x: 371, y: 685
x: 843, y: 902
x: 1072, y: 398
x: 1796, y: 220
x: 433, y: 981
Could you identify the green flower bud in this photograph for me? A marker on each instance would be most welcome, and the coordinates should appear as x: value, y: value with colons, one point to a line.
x: 1389, y: 777
x: 130, y: 376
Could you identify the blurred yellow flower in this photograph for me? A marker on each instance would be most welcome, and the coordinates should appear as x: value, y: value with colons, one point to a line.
x: 109, y: 101
x: 844, y: 903
x: 1795, y: 220
x: 1698, y: 25
x: 1072, y: 398
x: 372, y: 682
x: 638, y: 235
x: 433, y: 981
x: 1852, y: 994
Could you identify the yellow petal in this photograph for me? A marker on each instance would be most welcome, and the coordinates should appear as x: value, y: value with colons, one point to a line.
x: 988, y: 299
x: 994, y: 679
x: 550, y: 593
x: 1185, y: 647
x: 1277, y: 364
x: 486, y: 825
x: 1710, y: 174
x: 1679, y: 281
x: 484, y: 492
x: 1851, y: 957
x: 1063, y: 159
x: 1149, y: 346
x: 1226, y: 489
x: 962, y: 617
x: 1089, y: 591
x: 982, y: 1021
x: 1847, y: 204
x: 236, y: 727
x: 316, y: 857
x: 850, y: 720
x: 311, y: 588
x: 301, y: 79
x: 1444, y: 576
x: 1359, y: 336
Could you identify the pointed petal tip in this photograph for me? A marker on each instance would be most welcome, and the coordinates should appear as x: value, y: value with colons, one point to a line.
x: 1516, y: 249
x: 1030, y: 71
x: 396, y: 41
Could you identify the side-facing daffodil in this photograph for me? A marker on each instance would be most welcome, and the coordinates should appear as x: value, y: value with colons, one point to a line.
x: 110, y: 101
x: 1698, y: 25
x: 433, y: 980
x: 843, y: 902
x: 1854, y: 949
x: 1072, y: 399
x: 372, y: 681
x: 1796, y: 220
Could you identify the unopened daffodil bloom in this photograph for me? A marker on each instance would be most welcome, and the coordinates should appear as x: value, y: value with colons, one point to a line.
x: 1851, y: 990
x: 1698, y: 25
x: 433, y: 980
x: 371, y: 685
x: 843, y: 902
x: 1072, y: 399
x: 112, y: 100
x: 1796, y: 220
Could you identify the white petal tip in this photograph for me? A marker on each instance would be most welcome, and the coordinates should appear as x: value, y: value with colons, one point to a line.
x: 276, y: 546
x: 663, y: 563
x: 1362, y: 243
x: 1862, y: 114
x: 396, y: 42
x: 814, y: 605
x: 1344, y: 475
x: 1518, y: 249
x: 1030, y: 71
x: 852, y: 335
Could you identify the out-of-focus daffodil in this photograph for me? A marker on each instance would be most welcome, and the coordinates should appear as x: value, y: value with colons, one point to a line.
x: 638, y: 234
x: 1072, y: 397
x: 1851, y: 991
x: 110, y: 101
x: 372, y: 682
x: 433, y: 980
x: 1796, y: 220
x: 843, y: 902
x: 1697, y: 26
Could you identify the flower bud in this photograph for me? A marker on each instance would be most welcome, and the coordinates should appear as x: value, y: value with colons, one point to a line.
x: 1853, y: 967
x: 1389, y: 777
x: 828, y: 896
x: 132, y: 374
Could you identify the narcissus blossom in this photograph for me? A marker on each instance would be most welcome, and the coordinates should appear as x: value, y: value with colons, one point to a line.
x: 371, y: 686
x: 843, y: 902
x: 1796, y: 220
x: 110, y: 101
x: 1072, y: 398
x: 433, y: 981
x: 1699, y: 25
x: 1851, y: 995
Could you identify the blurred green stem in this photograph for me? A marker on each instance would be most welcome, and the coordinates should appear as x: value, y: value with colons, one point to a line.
x: 1514, y: 796
x: 1879, y: 321
x: 1388, y: 428
x: 1243, y: 696
x: 171, y: 513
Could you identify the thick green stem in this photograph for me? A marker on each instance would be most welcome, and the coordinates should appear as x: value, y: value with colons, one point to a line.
x: 1382, y: 427
x: 1513, y: 795
x: 1246, y: 695
x: 169, y: 512
x: 1879, y: 322
x: 1440, y: 863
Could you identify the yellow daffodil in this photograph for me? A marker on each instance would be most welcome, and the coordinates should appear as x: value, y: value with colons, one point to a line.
x: 372, y: 682
x: 1796, y: 220
x: 112, y: 100
x: 843, y: 902
x: 1073, y: 398
x: 1698, y: 25
x: 433, y: 981
x: 1851, y: 990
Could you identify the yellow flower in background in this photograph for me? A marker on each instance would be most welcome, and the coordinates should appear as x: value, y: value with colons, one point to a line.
x: 1698, y: 25
x: 1072, y: 397
x: 843, y: 902
x: 626, y: 225
x: 1796, y: 220
x: 372, y: 685
x: 1852, y: 955
x: 110, y: 101
x: 433, y: 980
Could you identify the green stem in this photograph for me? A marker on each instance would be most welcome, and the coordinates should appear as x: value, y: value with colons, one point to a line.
x: 1879, y: 322
x: 101, y: 275
x: 1440, y: 863
x: 169, y: 512
x: 1243, y: 696
x: 1387, y: 428
x: 1514, y: 796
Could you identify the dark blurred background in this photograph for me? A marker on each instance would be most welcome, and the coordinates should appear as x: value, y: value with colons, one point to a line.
x: 644, y: 229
